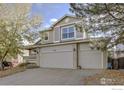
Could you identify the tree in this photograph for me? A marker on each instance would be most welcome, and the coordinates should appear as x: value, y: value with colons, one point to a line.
x: 16, y: 25
x: 105, y: 20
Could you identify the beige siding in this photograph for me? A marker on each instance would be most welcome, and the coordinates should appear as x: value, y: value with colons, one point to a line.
x: 79, y: 34
x: 57, y: 34
x: 50, y: 37
x: 67, y: 20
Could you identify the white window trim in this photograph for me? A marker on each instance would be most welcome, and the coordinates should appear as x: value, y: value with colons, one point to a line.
x: 69, y: 38
x: 48, y: 36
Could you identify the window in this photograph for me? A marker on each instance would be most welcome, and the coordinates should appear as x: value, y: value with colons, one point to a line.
x: 67, y: 32
x: 45, y: 36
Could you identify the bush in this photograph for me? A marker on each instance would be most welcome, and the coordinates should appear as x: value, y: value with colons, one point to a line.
x: 28, y: 65
x: 23, y: 64
x: 32, y: 65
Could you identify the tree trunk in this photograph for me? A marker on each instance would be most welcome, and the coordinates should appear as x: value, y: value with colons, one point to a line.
x: 2, y: 59
x: 1, y: 66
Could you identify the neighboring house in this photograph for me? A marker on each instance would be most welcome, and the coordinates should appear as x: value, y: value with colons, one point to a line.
x: 64, y: 46
x: 119, y: 51
x: 117, y: 57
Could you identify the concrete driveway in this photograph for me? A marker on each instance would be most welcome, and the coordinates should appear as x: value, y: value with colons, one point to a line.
x: 42, y: 76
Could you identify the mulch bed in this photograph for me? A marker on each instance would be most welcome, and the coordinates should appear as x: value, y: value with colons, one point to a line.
x: 11, y: 71
x: 106, y: 77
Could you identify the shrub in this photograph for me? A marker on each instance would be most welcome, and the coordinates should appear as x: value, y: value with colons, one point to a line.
x: 32, y: 65
x: 28, y: 65
x: 23, y: 64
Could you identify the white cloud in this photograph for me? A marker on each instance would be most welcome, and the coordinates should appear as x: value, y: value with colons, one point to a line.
x: 44, y: 26
x: 47, y: 25
x: 53, y: 20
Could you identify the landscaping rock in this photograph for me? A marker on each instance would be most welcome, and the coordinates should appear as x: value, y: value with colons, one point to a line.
x: 107, y: 77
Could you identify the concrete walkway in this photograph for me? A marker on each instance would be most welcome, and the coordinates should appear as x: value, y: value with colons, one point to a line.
x: 42, y: 76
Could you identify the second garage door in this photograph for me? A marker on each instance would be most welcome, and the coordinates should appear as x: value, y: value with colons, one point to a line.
x: 89, y: 58
x: 57, y: 57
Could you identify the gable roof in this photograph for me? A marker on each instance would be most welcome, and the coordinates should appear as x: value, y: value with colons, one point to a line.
x: 46, y: 29
x: 59, y: 20
x: 51, y: 27
x: 63, y: 18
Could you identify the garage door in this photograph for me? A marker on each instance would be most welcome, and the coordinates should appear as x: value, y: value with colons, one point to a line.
x: 89, y: 58
x: 57, y: 57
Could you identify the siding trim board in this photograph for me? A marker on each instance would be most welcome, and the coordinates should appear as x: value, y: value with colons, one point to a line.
x: 66, y: 24
x: 58, y: 43
x: 57, y: 51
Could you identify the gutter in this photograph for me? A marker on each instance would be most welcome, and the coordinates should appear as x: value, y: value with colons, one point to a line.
x: 55, y: 44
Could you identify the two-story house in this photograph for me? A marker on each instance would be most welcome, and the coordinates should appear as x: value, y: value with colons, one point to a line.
x: 64, y: 46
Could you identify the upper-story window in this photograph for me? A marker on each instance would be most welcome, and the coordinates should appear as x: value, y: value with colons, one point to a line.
x: 68, y: 32
x: 45, y: 36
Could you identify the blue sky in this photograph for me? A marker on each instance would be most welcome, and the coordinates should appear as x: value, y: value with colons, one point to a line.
x: 50, y: 12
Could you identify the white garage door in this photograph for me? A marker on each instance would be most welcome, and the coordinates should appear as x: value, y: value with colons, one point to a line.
x: 57, y: 56
x: 89, y: 58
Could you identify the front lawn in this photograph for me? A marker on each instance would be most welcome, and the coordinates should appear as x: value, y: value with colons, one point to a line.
x: 107, y: 77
